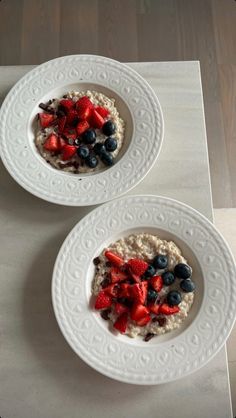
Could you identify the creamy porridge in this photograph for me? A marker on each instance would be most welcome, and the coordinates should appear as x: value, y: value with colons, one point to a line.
x: 143, y: 285
x: 81, y: 132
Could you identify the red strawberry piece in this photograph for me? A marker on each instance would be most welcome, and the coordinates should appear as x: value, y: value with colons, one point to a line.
x: 121, y: 323
x: 138, y: 312
x: 157, y: 283
x: 102, y: 111
x: 114, y: 258
x: 81, y: 127
x: 72, y: 117
x: 137, y: 266
x: 67, y: 104
x: 120, y: 308
x: 168, y: 310
x: 111, y: 290
x: 61, y: 124
x: 117, y: 275
x: 61, y: 143
x: 84, y: 107
x: 125, y: 290
x: 51, y: 143
x: 70, y: 133
x: 46, y: 119
x: 154, y: 308
x: 96, y: 120
x: 103, y: 300
x: 144, y: 321
x: 139, y: 292
x: 68, y: 151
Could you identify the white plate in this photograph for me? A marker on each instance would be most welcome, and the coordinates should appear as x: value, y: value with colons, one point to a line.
x: 164, y: 358
x: 138, y: 106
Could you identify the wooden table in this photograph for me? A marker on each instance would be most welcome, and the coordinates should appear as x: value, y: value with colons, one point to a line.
x: 40, y: 376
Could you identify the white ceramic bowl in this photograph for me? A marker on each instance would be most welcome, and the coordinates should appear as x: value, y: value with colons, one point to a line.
x: 136, y: 102
x: 169, y: 356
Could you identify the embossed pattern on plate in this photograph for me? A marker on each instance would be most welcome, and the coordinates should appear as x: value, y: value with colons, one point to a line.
x: 113, y: 355
x: 31, y: 172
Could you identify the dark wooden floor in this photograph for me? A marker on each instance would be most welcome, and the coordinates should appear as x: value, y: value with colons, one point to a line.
x: 33, y: 31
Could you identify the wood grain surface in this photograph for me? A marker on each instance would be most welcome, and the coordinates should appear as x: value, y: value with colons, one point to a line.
x: 34, y: 31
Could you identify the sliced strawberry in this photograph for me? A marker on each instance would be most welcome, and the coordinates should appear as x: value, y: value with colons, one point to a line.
x: 61, y: 124
x: 117, y: 275
x: 68, y: 151
x: 70, y: 133
x: 67, y: 104
x: 114, y: 258
x: 103, y: 300
x: 120, y: 308
x: 83, y: 102
x: 72, y: 117
x: 138, y: 312
x: 157, y: 283
x: 154, y: 308
x: 139, y: 292
x: 125, y: 290
x: 121, y: 323
x: 96, y: 120
x: 61, y: 143
x: 51, y: 143
x: 144, y: 321
x: 81, y: 127
x: 111, y: 290
x: 168, y: 310
x: 137, y: 266
x: 102, y: 111
x: 84, y: 112
x: 46, y: 119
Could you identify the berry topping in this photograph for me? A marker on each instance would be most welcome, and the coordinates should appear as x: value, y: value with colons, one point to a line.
x: 68, y: 151
x: 99, y: 148
x: 154, y: 308
x: 160, y: 262
x: 67, y: 104
x: 137, y: 266
x: 168, y: 310
x: 96, y: 120
x: 152, y: 296
x: 109, y: 128
x: 83, y: 151
x: 84, y: 107
x: 138, y: 312
x: 120, y: 308
x: 46, y: 119
x: 91, y: 161
x: 150, y: 271
x: 117, y: 275
x: 156, y: 283
x: 121, y: 323
x: 187, y: 285
x: 81, y: 127
x: 110, y: 144
x: 107, y: 158
x: 61, y: 124
x: 183, y: 271
x: 139, y: 292
x: 103, y: 300
x: 115, y: 259
x: 173, y: 298
x: 144, y: 321
x: 89, y: 136
x: 51, y: 143
x: 168, y: 278
x: 72, y: 117
x: 102, y: 111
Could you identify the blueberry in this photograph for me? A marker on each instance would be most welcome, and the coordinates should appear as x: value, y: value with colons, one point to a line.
x: 152, y: 295
x: 83, y: 151
x: 110, y: 144
x: 106, y: 158
x: 173, y: 298
x: 89, y: 136
x: 150, y: 271
x: 168, y: 278
x: 183, y: 271
x: 187, y: 285
x: 91, y: 161
x: 109, y: 128
x: 160, y: 261
x: 99, y: 148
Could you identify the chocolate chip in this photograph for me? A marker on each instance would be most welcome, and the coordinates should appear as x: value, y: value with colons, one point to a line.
x: 105, y: 314
x: 60, y: 113
x: 108, y: 264
x: 105, y: 283
x: 96, y: 261
x: 155, y: 319
x: 161, y: 321
x: 65, y: 96
x: 149, y: 336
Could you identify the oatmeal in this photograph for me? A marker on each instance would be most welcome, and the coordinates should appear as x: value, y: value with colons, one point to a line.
x: 143, y: 285
x: 81, y: 132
